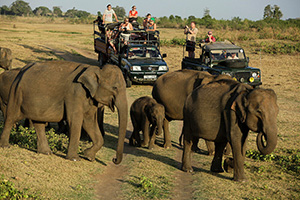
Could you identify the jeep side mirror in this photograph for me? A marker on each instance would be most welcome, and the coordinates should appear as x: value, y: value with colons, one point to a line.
x: 164, y: 55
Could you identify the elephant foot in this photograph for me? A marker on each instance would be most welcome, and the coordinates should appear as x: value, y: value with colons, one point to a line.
x: 152, y: 146
x: 89, y: 154
x: 167, y: 145
x: 45, y: 151
x: 4, y: 145
x: 187, y: 169
x: 228, y: 165
x: 144, y: 144
x: 217, y: 168
x: 134, y: 143
x: 242, y: 179
x: 73, y: 158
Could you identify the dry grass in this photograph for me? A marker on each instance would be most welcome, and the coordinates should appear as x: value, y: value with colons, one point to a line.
x: 53, y: 177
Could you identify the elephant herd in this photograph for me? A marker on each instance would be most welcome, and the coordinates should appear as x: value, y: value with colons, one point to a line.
x: 215, y: 108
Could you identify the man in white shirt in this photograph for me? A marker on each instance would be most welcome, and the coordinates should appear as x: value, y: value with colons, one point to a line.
x: 108, y: 15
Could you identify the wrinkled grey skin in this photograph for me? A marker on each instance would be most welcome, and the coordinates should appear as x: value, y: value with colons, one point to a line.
x: 5, y: 58
x: 225, y: 111
x: 49, y: 91
x: 172, y: 89
x: 146, y: 112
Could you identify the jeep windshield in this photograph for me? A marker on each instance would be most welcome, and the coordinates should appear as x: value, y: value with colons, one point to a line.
x: 143, y: 53
x: 227, y: 54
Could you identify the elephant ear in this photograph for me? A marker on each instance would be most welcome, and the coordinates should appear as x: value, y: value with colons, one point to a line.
x: 89, y: 79
x: 148, y: 111
x: 240, y: 103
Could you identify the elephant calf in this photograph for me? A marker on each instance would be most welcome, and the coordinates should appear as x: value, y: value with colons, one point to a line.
x: 146, y: 112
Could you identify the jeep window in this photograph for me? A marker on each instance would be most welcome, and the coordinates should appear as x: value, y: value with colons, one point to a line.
x: 143, y: 52
x: 218, y: 55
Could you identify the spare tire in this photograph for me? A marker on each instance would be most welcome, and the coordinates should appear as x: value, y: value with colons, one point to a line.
x: 234, y: 63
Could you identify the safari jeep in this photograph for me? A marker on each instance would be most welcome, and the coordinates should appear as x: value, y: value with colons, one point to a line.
x: 140, y: 59
x: 224, y: 58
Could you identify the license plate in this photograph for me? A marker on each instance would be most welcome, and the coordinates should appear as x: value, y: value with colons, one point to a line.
x: 149, y: 76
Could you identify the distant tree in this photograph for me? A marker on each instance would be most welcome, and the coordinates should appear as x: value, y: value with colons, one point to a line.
x: 120, y: 11
x: 171, y: 17
x: 178, y: 18
x: 20, y: 8
x: 272, y: 12
x: 277, y: 14
x: 76, y: 13
x: 4, y: 10
x: 268, y: 12
x: 42, y: 11
x: 206, y: 13
x: 191, y: 18
x: 57, y: 11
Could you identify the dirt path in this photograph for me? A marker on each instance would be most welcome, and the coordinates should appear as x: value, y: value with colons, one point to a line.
x: 183, y: 181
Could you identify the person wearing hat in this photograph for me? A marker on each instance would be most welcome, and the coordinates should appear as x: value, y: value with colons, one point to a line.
x: 151, y: 25
x: 210, y: 38
x: 191, y: 34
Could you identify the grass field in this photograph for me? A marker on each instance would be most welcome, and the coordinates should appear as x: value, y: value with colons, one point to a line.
x: 148, y: 174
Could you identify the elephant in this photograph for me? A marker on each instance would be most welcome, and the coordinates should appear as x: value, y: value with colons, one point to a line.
x: 171, y: 90
x: 54, y: 90
x: 224, y: 111
x: 5, y: 58
x: 145, y: 111
x: 6, y: 80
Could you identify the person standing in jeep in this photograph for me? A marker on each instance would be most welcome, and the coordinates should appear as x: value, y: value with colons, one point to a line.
x: 108, y: 15
x: 191, y: 34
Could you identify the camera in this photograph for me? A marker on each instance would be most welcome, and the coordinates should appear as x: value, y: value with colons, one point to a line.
x: 186, y: 26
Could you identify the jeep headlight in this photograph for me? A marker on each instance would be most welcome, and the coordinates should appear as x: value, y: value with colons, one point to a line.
x: 255, y: 74
x: 136, y: 68
x: 162, y: 68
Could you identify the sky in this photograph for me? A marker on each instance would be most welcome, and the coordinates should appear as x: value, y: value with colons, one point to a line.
x: 219, y: 9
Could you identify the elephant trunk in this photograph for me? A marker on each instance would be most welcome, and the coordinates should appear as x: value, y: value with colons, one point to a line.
x: 159, y: 124
x: 121, y: 104
x: 270, y: 135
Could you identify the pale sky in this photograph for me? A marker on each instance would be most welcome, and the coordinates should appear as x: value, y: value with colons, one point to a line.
x: 219, y: 9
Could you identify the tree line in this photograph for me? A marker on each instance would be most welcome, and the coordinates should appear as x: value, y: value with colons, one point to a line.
x: 271, y: 17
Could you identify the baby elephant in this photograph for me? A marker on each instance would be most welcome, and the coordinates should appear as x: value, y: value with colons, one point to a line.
x: 146, y: 113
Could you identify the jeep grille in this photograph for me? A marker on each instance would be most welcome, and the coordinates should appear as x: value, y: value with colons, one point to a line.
x: 149, y: 68
x: 244, y: 75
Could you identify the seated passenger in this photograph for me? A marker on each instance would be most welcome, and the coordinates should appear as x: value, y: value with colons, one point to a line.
x: 133, y: 14
x: 125, y: 26
x: 146, y: 21
x: 233, y: 56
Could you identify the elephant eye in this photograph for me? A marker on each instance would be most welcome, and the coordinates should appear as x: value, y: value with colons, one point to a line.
x: 115, y: 88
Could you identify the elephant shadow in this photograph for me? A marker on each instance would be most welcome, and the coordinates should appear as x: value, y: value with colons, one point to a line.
x: 110, y: 142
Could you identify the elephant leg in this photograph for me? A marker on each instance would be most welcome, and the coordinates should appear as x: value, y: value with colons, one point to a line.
x: 216, y: 165
x: 186, y: 155
x: 100, y: 120
x: 4, y: 139
x: 135, y: 139
x: 210, y: 147
x: 195, y: 147
x: 153, y: 137
x: 42, y: 142
x: 227, y: 150
x: 92, y: 129
x: 75, y: 132
x: 167, y: 135
x: 238, y: 145
x: 146, y: 140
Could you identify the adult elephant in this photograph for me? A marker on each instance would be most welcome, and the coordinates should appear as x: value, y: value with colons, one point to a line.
x: 172, y: 89
x: 54, y: 90
x: 224, y: 111
x: 5, y: 58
